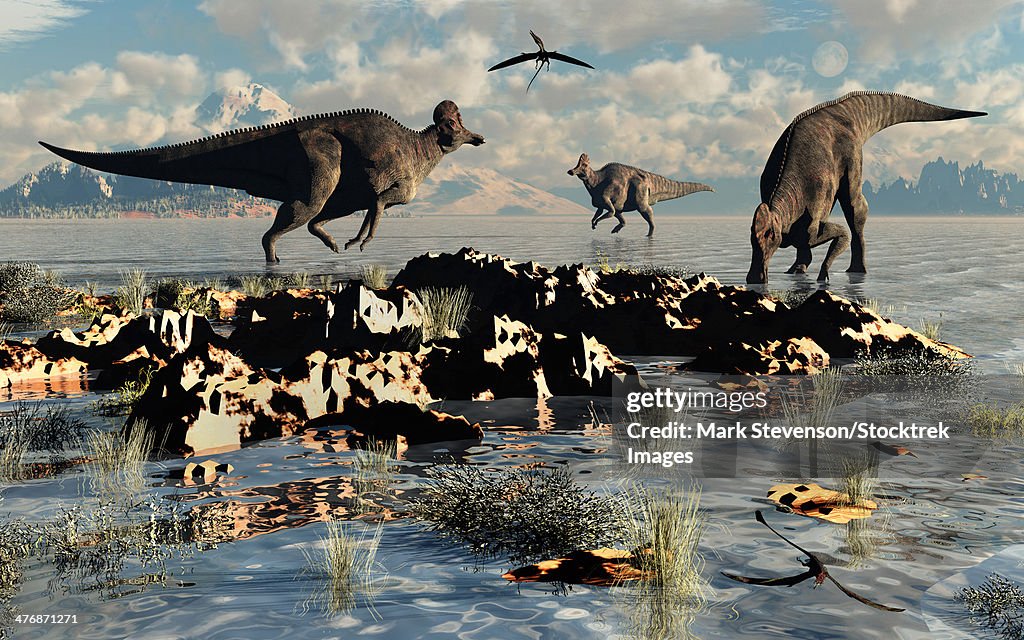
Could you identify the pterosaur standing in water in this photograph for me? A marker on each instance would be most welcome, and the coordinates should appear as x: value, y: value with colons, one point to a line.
x: 815, y: 569
x: 543, y: 56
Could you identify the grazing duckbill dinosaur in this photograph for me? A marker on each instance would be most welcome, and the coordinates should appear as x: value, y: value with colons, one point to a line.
x: 615, y: 188
x: 320, y: 167
x: 817, y: 161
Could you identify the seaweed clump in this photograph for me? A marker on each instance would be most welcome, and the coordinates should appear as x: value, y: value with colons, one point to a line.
x: 530, y: 515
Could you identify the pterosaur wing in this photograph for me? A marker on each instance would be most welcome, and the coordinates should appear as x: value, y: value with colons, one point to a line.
x: 554, y: 55
x: 522, y: 57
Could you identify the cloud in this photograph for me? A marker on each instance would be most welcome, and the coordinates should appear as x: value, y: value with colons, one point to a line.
x: 890, y: 31
x: 25, y: 21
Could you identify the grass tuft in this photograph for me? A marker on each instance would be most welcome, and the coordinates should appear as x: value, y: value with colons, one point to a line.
x: 374, y: 470
x: 182, y: 295
x: 348, y: 566
x: 526, y: 515
x: 124, y: 398
x: 117, y: 459
x: 445, y: 311
x: 665, y: 533
x: 992, y: 422
x: 131, y: 295
x: 374, y: 276
x: 932, y: 329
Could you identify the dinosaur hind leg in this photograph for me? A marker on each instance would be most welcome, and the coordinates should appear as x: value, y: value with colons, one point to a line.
x: 839, y: 239
x: 599, y: 215
x: 622, y: 222
x: 855, y: 208
x: 647, y: 213
x: 803, y: 260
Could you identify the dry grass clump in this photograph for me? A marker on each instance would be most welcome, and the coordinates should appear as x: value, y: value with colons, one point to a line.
x: 524, y: 515
x: 117, y: 459
x: 131, y: 295
x: 665, y: 531
x: 374, y: 471
x: 347, y: 565
x: 932, y: 329
x: 859, y: 480
x: 374, y: 276
x: 799, y: 410
x: 445, y: 311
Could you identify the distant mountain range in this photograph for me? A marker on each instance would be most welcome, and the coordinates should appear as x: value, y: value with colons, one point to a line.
x: 944, y: 188
x: 62, y: 189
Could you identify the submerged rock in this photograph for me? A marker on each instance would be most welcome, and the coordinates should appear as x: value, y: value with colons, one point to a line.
x: 21, y: 361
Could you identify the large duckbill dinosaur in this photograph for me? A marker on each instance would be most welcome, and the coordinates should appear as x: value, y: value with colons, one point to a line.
x: 817, y: 161
x: 320, y: 167
x: 615, y: 188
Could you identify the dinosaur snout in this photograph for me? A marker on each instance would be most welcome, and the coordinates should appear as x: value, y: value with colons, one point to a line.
x: 476, y: 140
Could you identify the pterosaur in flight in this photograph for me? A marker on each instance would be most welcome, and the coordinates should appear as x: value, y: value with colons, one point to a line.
x: 543, y: 56
x: 815, y: 569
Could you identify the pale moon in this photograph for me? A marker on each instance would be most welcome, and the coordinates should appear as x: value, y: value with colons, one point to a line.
x: 830, y: 59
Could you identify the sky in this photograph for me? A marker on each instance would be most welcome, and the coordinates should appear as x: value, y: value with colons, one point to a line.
x: 692, y: 89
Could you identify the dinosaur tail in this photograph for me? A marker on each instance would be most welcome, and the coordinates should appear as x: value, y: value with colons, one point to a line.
x: 664, y: 189
x: 870, y: 112
x: 128, y: 163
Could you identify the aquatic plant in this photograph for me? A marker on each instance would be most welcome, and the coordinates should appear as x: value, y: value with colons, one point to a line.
x: 347, y: 565
x: 993, y: 422
x: 27, y: 429
x: 17, y: 544
x: 30, y: 295
x: 792, y: 298
x: 131, y: 295
x: 605, y: 267
x: 373, y: 471
x: 664, y: 530
x: 859, y: 481
x: 1019, y: 369
x: 445, y: 311
x: 916, y: 372
x: 117, y: 459
x: 124, y: 398
x: 182, y: 295
x: 327, y: 282
x: 997, y: 603
x: 661, y: 270
x: 931, y: 329
x: 799, y: 410
x: 374, y: 276
x: 526, y: 515
x: 298, y: 280
x: 5, y: 330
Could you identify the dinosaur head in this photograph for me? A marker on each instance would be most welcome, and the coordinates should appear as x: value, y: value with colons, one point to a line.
x: 581, y: 166
x: 451, y: 133
x: 765, y: 238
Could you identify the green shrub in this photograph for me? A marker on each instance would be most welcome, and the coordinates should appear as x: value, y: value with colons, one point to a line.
x: 992, y: 422
x: 183, y: 296
x: 124, y: 398
x: 524, y: 515
x: 30, y: 295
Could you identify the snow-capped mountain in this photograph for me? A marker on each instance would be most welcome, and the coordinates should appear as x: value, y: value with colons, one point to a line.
x: 250, y: 105
x: 452, y: 188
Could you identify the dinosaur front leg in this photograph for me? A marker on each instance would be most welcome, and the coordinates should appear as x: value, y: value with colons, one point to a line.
x: 840, y: 239
x: 316, y: 227
x: 290, y: 216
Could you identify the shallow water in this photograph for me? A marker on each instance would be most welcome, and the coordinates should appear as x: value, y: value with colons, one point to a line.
x: 930, y: 526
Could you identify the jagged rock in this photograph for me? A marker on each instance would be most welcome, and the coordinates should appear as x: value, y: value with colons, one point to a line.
x: 502, y: 361
x: 844, y: 328
x: 118, y: 339
x: 577, y: 365
x: 290, y: 324
x: 793, y: 356
x: 228, y: 303
x: 209, y: 399
x: 21, y: 361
